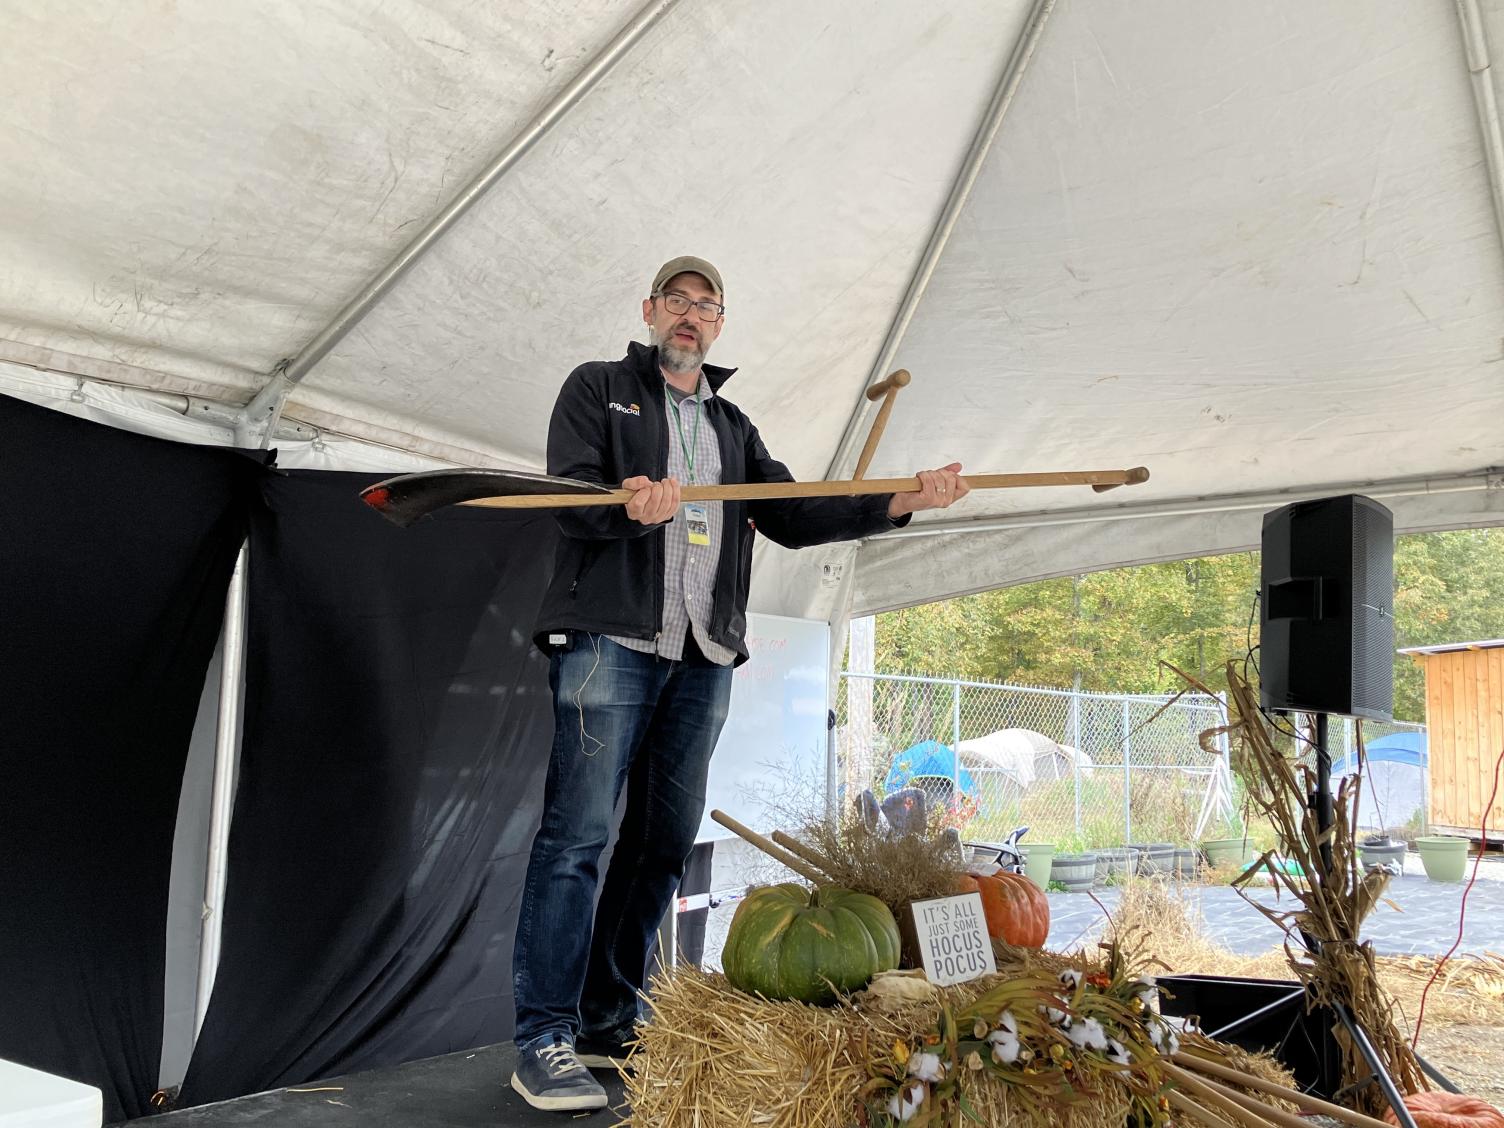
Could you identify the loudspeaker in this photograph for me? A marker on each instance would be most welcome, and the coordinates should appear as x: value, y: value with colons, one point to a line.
x: 1327, y: 612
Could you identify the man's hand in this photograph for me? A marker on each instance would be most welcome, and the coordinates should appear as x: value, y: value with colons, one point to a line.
x: 938, y: 490
x: 652, y: 502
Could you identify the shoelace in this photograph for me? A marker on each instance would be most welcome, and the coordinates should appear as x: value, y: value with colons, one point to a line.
x: 560, y: 1059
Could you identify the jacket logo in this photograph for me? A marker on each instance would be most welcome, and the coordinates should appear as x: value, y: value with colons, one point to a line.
x: 633, y: 409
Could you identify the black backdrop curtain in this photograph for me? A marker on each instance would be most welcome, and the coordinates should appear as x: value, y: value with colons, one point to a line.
x: 115, y: 554
x: 397, y: 725
x: 396, y: 733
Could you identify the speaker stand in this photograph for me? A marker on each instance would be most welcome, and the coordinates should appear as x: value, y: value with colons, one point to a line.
x: 1324, y: 808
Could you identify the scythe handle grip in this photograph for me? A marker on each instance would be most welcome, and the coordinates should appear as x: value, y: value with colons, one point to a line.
x: 899, y: 379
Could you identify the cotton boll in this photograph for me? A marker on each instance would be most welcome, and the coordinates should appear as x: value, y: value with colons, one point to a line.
x: 1163, y: 1036
x: 903, y: 1104
x: 926, y: 1067
x: 1088, y: 1034
x: 1005, y: 1046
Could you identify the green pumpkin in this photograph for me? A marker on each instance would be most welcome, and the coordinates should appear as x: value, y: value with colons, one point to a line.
x: 786, y: 942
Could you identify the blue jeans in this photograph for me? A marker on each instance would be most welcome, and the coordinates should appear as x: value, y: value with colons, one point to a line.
x: 621, y: 719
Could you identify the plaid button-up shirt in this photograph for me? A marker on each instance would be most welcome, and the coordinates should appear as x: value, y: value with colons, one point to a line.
x: 688, y: 569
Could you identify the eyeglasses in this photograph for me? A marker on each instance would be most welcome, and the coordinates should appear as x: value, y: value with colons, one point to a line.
x: 678, y: 304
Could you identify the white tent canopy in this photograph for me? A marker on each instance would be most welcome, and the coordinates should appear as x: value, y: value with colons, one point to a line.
x: 1023, y: 757
x: 1252, y: 246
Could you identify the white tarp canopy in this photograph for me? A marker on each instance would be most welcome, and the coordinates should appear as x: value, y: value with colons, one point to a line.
x: 1022, y: 757
x: 1250, y: 245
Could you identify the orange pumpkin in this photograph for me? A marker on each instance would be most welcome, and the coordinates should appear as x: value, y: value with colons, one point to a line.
x: 1017, y: 910
x: 1449, y: 1110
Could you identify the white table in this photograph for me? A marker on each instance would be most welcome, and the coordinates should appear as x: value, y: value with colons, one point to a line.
x: 30, y: 1098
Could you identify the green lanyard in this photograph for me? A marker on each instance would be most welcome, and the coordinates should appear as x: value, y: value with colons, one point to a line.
x: 689, y: 458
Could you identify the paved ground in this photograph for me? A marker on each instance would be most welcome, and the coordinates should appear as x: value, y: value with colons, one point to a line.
x: 1426, y: 923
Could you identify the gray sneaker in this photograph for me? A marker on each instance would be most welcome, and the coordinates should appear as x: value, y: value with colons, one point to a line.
x: 549, y: 1076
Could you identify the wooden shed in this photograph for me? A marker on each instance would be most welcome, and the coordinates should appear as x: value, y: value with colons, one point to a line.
x: 1465, y: 734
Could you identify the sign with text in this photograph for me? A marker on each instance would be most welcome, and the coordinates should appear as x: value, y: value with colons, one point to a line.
x: 953, y: 940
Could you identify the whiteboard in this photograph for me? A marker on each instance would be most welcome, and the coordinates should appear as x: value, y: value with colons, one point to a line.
x: 772, y: 751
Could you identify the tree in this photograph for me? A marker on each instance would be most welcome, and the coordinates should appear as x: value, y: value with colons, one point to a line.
x: 1113, y: 630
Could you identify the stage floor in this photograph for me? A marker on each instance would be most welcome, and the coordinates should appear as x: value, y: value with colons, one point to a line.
x: 470, y: 1089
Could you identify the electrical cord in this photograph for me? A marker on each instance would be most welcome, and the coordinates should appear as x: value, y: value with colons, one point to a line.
x: 1462, y: 911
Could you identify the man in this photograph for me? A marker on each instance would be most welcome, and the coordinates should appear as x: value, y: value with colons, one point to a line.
x: 644, y: 621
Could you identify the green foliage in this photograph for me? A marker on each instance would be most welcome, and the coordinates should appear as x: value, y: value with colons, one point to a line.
x: 1449, y: 587
x: 1111, y: 631
x: 1160, y: 813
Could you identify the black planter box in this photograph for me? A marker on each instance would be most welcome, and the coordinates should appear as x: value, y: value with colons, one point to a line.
x: 1265, y: 1015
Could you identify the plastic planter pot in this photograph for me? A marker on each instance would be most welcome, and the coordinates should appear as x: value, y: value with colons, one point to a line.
x: 1076, y: 872
x: 1223, y: 852
x: 1037, y: 861
x: 1445, y: 858
x: 1185, y: 862
x: 1380, y: 853
x: 1154, y: 857
x: 1116, y: 862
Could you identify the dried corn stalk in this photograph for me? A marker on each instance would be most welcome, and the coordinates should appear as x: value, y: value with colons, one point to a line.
x: 1322, y: 927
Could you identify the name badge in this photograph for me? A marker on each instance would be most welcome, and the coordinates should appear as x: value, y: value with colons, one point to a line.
x: 697, y: 522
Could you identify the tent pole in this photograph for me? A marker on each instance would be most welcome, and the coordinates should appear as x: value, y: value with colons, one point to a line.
x: 971, y: 167
x: 267, y: 403
x: 226, y: 769
x: 1186, y: 507
x: 1479, y: 66
x: 226, y: 750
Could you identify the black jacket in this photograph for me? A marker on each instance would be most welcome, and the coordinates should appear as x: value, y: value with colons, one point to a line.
x: 608, y: 426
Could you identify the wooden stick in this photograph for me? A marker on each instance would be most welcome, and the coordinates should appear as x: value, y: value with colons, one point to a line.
x: 783, y: 857
x: 1257, y: 1107
x: 761, y: 491
x: 1294, y: 1096
x: 794, y: 846
x: 1205, y: 1115
x: 887, y: 390
x: 1246, y: 1108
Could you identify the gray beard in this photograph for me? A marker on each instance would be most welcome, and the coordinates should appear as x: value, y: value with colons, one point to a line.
x: 676, y: 358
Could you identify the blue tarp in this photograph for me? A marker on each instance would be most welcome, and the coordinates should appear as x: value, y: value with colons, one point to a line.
x: 928, y: 760
x: 1394, y: 791
x: 1399, y: 748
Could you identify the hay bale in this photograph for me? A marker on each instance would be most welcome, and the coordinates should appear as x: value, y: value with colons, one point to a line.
x: 713, y: 1057
x: 1259, y: 1066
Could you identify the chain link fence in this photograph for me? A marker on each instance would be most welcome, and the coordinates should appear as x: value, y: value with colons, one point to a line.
x: 1083, y: 770
x: 1394, y: 798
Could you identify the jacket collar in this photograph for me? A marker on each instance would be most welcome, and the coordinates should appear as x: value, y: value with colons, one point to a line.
x: 643, y: 359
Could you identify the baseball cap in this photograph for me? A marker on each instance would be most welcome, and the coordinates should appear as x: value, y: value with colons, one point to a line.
x: 688, y: 264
